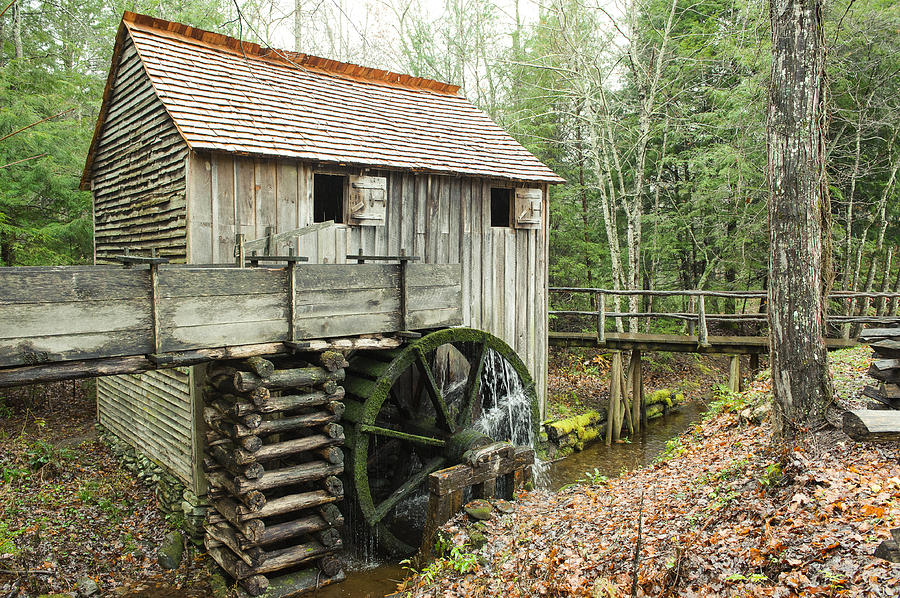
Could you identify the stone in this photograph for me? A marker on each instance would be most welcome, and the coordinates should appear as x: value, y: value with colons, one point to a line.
x: 478, y: 509
x: 504, y: 506
x: 170, y: 551
x: 477, y: 539
x: 87, y: 587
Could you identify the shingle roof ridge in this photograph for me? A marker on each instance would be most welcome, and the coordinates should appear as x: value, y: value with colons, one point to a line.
x: 310, y: 62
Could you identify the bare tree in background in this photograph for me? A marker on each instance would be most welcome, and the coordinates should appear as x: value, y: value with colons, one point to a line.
x: 799, y: 251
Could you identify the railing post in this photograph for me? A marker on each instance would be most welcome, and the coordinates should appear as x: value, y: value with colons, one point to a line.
x: 692, y: 305
x: 601, y: 318
x: 703, y: 332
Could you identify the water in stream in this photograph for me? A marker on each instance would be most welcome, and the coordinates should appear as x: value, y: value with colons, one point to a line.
x: 380, y: 580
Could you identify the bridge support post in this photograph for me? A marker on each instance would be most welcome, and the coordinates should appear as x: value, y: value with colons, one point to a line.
x: 734, y: 374
x: 613, y: 425
x: 637, y: 391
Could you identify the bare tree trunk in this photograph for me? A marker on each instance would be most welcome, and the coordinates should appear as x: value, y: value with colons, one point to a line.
x: 885, y: 282
x: 798, y: 216
x: 17, y: 30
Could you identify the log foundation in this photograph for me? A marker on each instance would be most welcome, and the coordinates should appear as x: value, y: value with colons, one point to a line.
x: 271, y: 465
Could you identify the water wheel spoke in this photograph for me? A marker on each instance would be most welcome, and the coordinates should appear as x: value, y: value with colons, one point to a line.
x: 408, y: 487
x: 473, y: 384
x: 414, y: 438
x: 434, y: 393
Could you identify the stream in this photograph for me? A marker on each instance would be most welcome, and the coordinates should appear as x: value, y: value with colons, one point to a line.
x: 381, y: 579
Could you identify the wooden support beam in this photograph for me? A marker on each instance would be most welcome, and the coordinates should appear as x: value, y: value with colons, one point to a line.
x: 872, y: 425
x: 637, y: 391
x: 734, y: 374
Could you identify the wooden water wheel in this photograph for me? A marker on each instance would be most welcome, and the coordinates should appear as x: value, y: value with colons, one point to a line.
x: 414, y: 410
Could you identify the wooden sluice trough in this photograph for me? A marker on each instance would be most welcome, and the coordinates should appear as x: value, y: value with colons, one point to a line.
x: 496, y: 470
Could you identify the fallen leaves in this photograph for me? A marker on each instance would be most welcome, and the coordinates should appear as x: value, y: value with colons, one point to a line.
x: 716, y: 521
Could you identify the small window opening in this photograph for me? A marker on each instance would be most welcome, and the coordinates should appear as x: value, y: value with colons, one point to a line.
x: 501, y: 198
x: 328, y: 198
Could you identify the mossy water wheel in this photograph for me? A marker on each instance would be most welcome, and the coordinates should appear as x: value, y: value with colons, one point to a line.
x: 416, y: 409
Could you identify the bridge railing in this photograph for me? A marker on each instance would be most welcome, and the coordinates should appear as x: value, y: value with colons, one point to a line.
x: 885, y: 306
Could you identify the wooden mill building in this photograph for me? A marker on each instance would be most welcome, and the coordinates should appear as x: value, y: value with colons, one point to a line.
x: 202, y: 137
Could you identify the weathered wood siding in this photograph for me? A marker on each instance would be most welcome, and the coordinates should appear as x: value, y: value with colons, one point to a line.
x: 443, y: 220
x: 138, y: 183
x: 138, y: 176
x: 152, y: 411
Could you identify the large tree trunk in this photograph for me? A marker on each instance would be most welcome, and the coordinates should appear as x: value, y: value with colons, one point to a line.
x: 798, y: 216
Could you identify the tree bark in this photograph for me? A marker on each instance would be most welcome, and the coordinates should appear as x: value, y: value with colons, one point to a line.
x: 798, y: 216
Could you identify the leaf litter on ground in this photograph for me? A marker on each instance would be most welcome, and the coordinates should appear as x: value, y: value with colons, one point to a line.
x: 730, y: 513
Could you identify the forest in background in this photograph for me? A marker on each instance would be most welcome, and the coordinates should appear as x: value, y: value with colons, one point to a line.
x: 653, y: 110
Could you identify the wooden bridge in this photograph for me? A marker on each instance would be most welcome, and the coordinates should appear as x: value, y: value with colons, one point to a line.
x: 589, y: 328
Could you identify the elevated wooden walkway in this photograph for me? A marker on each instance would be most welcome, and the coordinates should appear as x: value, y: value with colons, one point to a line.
x: 729, y: 345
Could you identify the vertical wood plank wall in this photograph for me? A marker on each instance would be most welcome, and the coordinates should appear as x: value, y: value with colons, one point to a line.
x: 138, y: 183
x: 440, y: 219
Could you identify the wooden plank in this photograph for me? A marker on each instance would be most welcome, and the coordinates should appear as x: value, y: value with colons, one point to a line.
x: 199, y: 208
x: 72, y: 283
x: 68, y: 347
x: 266, y: 206
x: 58, y: 319
x: 533, y: 308
x: 428, y: 275
x: 223, y: 208
x: 407, y: 214
x: 338, y: 302
x: 520, y: 293
x: 287, y: 202
x: 394, y: 221
x: 476, y: 265
x: 434, y: 318
x: 509, y: 288
x: 872, y: 425
x: 455, y: 207
x: 178, y: 312
x: 245, y: 196
x: 432, y: 220
x: 349, y: 324
x: 420, y: 244
x: 488, y: 263
x: 246, y: 332
x: 314, y: 277
x: 206, y: 282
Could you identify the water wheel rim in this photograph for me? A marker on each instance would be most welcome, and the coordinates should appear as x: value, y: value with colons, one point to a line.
x: 379, y: 394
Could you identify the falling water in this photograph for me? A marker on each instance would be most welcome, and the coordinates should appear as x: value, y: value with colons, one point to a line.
x: 507, y: 409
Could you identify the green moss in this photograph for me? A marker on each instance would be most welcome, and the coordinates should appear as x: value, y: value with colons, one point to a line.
x: 660, y: 396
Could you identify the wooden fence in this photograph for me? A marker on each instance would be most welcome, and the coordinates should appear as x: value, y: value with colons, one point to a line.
x: 856, y: 307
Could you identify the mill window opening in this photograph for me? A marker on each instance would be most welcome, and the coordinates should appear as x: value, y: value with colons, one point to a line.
x: 328, y: 198
x: 501, y: 198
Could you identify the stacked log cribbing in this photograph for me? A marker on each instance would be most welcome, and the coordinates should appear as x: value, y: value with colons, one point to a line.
x: 885, y: 368
x: 272, y: 464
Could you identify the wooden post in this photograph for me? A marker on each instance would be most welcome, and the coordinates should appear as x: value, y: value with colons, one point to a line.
x: 601, y: 318
x: 615, y: 379
x: 239, y: 250
x: 734, y: 375
x: 404, y: 291
x: 692, y: 305
x: 703, y: 332
x: 292, y: 295
x: 754, y: 364
x: 625, y: 384
x: 154, y: 303
x: 637, y: 391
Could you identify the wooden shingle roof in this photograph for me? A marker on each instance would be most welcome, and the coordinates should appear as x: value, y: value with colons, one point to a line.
x: 232, y: 96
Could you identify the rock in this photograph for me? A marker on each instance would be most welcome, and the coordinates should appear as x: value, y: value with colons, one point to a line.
x: 169, y: 554
x: 504, y: 506
x: 477, y: 539
x: 87, y: 587
x: 478, y: 509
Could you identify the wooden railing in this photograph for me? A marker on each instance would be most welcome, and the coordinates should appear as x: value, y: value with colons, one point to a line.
x: 886, y: 307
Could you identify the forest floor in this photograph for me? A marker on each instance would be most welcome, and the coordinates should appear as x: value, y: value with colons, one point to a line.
x: 724, y: 511
x: 69, y: 511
